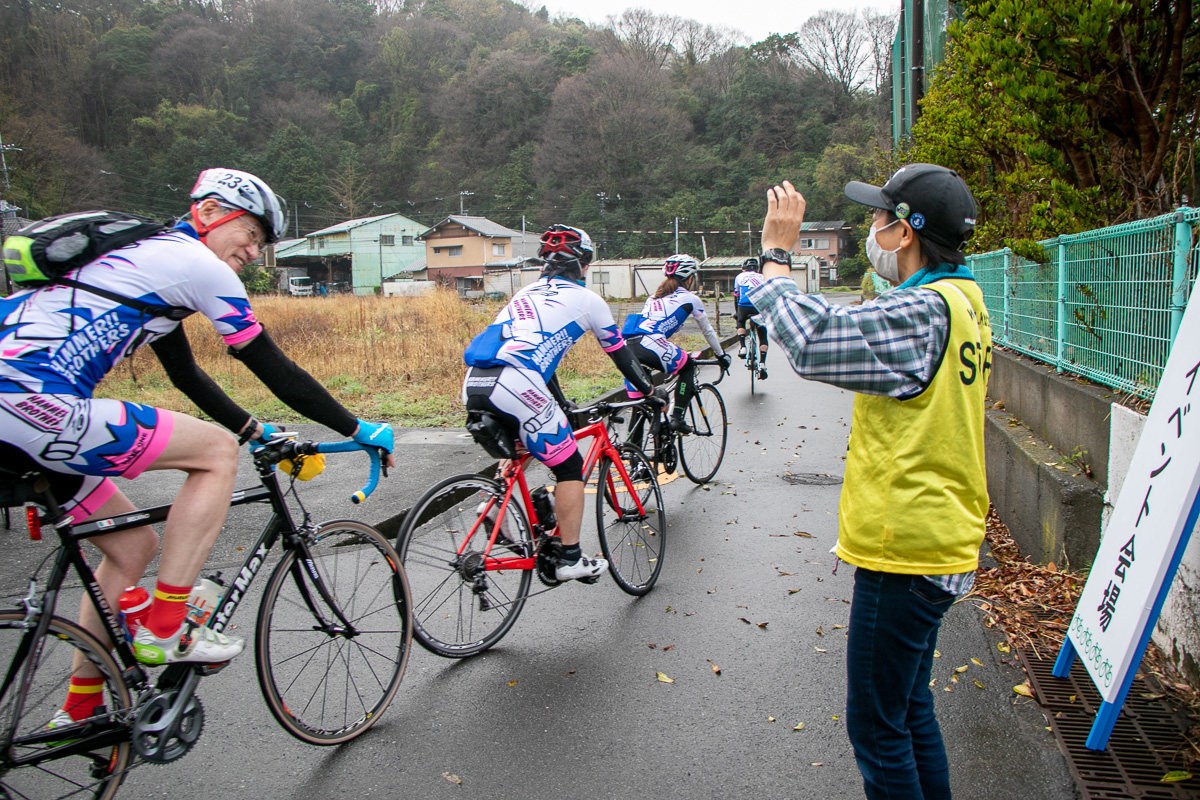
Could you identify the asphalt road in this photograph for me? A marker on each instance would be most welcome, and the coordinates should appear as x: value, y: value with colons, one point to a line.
x: 569, y: 703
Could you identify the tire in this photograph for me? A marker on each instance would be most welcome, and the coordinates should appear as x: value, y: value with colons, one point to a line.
x: 322, y: 686
x: 633, y: 544
x: 702, y: 451
x: 752, y: 357
x: 95, y: 775
x: 450, y: 617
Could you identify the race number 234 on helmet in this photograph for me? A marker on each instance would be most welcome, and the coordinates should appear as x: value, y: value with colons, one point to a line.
x: 245, y: 194
x: 680, y: 266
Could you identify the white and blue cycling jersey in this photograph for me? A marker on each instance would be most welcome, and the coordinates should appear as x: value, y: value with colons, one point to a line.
x: 540, y: 324
x: 64, y: 340
x: 663, y: 316
x: 742, y: 285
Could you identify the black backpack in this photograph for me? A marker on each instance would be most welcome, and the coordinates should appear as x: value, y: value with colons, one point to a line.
x: 43, y: 252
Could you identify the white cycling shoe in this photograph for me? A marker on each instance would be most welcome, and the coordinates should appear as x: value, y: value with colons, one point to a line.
x: 190, y: 644
x: 583, y: 568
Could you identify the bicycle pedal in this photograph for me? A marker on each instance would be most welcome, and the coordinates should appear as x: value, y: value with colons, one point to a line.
x: 589, y: 580
x: 212, y: 669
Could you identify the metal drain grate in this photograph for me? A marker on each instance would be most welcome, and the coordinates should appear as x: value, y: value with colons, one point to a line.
x: 1146, y: 743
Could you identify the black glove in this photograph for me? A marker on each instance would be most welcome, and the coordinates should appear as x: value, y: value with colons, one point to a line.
x: 660, y: 397
x: 725, y: 360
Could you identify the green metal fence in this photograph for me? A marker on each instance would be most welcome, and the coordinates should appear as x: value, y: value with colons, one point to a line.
x: 1104, y: 304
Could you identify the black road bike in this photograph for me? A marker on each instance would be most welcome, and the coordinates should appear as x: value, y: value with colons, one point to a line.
x: 333, y: 638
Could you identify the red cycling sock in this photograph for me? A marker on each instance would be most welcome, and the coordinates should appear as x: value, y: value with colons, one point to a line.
x: 83, y: 696
x: 168, y: 609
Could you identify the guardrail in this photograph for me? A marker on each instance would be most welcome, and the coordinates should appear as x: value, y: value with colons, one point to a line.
x: 1104, y: 304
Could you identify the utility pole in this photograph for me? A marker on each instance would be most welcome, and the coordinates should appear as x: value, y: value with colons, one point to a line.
x: 461, y: 195
x: 677, y: 234
x: 4, y: 163
x: 603, y: 230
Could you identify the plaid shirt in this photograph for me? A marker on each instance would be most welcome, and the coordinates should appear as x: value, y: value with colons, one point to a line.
x: 890, y: 346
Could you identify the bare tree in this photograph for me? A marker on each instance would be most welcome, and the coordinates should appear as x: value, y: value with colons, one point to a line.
x: 648, y: 36
x: 697, y: 42
x: 880, y: 29
x: 834, y: 43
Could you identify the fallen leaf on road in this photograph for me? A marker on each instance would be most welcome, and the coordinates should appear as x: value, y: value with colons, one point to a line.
x: 799, y: 726
x: 711, y: 591
x: 668, y: 647
x: 762, y: 625
x: 820, y: 630
x: 817, y: 764
x: 977, y: 662
x: 1003, y: 648
x: 669, y: 610
x: 770, y: 718
x: 716, y: 670
x: 802, y: 534
x: 840, y: 627
x: 1023, y: 689
x: 571, y: 672
x: 662, y: 677
x: 977, y: 683
x: 652, y: 645
x: 820, y: 649
x: 1175, y: 776
x: 512, y: 684
x: 743, y: 619
x: 792, y: 591
x: 782, y: 573
x: 937, y: 653
x: 452, y: 778
x: 963, y: 668
x: 835, y: 716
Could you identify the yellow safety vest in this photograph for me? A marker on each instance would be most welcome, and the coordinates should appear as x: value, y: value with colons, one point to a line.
x: 915, y: 495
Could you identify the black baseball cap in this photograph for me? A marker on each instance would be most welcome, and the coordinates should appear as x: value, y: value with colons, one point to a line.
x: 934, y: 200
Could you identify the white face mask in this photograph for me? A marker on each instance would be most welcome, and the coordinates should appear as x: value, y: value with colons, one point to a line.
x: 885, y: 262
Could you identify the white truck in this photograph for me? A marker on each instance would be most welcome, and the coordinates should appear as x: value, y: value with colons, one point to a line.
x: 295, y: 282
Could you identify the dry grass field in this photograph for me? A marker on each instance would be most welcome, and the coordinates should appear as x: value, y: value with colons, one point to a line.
x: 398, y: 359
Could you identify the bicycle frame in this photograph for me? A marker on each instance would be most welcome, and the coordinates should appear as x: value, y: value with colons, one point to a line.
x: 184, y: 676
x: 601, y: 445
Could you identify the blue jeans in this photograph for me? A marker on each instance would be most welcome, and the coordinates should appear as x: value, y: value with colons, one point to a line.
x: 894, y: 621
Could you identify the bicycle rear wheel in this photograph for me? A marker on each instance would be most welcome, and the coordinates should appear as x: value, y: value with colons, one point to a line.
x: 633, y: 543
x: 752, y: 356
x: 702, y: 451
x: 326, y: 683
x: 459, y: 607
x: 30, y: 767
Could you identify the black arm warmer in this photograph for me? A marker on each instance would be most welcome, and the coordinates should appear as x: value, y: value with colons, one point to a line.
x: 295, y: 387
x: 632, y: 370
x: 557, y: 392
x: 175, y: 354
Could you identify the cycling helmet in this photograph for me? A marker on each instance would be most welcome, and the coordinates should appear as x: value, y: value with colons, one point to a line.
x: 751, y: 263
x: 245, y: 194
x: 680, y: 267
x: 566, y: 251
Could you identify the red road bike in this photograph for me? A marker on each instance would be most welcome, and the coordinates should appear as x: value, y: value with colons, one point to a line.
x: 471, y: 545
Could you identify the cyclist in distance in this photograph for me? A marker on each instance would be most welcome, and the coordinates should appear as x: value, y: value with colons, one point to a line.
x: 750, y: 277
x: 511, y: 376
x: 57, y: 342
x: 664, y: 314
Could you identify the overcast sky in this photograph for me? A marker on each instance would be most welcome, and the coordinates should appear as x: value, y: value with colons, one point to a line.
x: 756, y: 18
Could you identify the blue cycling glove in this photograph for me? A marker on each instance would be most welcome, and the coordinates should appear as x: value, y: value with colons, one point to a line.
x: 268, y: 429
x: 376, y: 434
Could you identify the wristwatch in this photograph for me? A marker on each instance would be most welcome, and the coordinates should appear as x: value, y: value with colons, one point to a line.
x: 778, y: 255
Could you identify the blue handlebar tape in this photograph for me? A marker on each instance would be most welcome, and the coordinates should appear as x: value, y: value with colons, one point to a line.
x: 376, y: 463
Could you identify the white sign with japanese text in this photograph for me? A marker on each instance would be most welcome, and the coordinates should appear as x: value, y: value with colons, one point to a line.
x: 1149, y: 518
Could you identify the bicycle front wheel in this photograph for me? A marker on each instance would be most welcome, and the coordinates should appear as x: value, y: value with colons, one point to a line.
x: 460, y: 608
x: 329, y: 662
x: 35, y: 764
x: 703, y: 450
x: 752, y: 357
x: 632, y: 542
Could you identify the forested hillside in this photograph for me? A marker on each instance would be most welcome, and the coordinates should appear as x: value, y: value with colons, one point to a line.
x: 350, y: 108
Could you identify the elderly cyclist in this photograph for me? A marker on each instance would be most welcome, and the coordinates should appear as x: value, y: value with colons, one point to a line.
x: 663, y: 315
x: 84, y: 442
x: 511, y: 378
